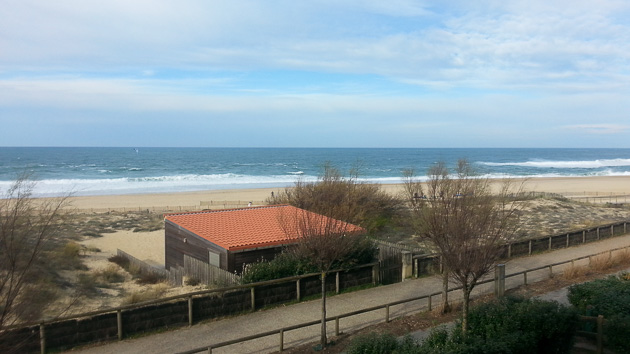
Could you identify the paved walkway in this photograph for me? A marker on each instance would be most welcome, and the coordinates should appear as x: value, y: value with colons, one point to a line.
x: 283, y: 316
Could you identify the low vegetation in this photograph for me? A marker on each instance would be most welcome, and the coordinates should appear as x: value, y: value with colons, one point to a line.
x: 509, y: 325
x: 289, y: 264
x: 140, y: 275
x: 609, y: 297
x: 152, y: 293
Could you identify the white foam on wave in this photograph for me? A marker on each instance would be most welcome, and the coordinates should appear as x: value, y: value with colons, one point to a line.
x: 191, y: 182
x: 155, y: 184
x: 564, y: 164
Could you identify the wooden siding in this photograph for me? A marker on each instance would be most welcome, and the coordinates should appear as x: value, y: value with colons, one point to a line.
x: 195, y: 247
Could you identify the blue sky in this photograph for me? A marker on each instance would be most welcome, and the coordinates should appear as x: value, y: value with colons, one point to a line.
x: 273, y: 73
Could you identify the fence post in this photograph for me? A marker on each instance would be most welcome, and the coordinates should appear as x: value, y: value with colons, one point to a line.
x: 525, y: 278
x: 550, y: 271
x: 583, y: 236
x: 281, y: 348
x: 530, y: 247
x: 407, y: 266
x: 429, y: 302
x: 297, y: 288
x: 119, y: 324
x: 550, y: 243
x: 375, y: 274
x: 598, y: 232
x: 42, y: 339
x: 337, y: 326
x: 568, y: 240
x: 337, y: 283
x: 416, y: 272
x: 509, y: 250
x: 499, y: 280
x: 387, y: 313
x: 600, y: 334
x: 190, y: 310
x: 253, y: 298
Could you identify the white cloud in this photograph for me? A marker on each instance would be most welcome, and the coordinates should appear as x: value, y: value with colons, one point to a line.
x: 600, y: 128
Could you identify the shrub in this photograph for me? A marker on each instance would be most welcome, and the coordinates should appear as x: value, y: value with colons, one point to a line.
x: 121, y: 261
x: 509, y: 325
x: 284, y: 265
x: 110, y: 274
x: 192, y: 281
x: 609, y: 297
x: 153, y: 293
x: 545, y: 327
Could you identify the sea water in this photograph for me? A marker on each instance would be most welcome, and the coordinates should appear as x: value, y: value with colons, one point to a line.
x: 108, y: 170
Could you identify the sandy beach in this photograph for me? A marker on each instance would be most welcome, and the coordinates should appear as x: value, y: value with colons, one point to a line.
x: 573, y: 186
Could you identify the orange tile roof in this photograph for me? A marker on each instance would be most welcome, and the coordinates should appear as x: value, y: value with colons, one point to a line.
x: 252, y: 227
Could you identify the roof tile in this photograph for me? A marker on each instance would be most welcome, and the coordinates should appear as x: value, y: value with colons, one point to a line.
x: 245, y: 228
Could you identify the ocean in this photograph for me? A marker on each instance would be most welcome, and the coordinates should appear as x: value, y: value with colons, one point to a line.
x: 112, y: 171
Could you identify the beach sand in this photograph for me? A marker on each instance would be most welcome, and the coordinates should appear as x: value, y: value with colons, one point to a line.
x: 573, y: 186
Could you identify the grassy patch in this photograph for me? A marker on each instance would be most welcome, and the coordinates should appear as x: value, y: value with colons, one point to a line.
x: 153, y: 293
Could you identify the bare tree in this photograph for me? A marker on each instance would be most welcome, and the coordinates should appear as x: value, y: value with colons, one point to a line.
x: 323, y: 224
x: 27, y: 225
x: 364, y: 204
x: 466, y: 221
x: 325, y: 242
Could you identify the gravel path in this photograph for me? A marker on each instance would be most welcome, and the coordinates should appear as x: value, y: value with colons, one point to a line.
x: 261, y: 321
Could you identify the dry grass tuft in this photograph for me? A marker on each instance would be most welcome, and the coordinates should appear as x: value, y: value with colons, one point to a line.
x: 601, y: 262
x: 155, y: 292
x: 575, y: 272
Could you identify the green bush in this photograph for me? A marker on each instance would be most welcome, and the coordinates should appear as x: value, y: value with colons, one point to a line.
x: 609, y: 297
x: 545, y: 327
x: 511, y: 325
x: 288, y: 264
x: 284, y: 265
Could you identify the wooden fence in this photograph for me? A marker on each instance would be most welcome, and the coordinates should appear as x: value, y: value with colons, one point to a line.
x: 193, y: 268
x: 386, y: 308
x: 203, y: 205
x: 424, y: 264
x: 187, y: 309
x: 208, y: 274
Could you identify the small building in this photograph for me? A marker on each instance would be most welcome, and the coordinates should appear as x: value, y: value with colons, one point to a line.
x: 230, y: 238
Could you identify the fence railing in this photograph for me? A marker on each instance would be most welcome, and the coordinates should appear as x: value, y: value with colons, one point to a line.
x: 186, y: 309
x: 424, y: 264
x: 385, y: 307
x: 212, y: 204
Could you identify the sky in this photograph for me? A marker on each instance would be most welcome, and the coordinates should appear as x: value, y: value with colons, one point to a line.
x: 317, y: 73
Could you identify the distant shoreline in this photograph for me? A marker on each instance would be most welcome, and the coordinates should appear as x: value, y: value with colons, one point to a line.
x: 605, y: 185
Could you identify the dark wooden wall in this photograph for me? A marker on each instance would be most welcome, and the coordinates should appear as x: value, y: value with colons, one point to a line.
x: 195, y: 246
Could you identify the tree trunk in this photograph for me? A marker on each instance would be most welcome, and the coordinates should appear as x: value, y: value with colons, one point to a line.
x: 323, y: 340
x: 465, y: 304
x: 445, y: 306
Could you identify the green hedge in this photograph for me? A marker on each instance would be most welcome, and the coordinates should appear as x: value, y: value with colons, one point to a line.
x: 609, y: 297
x: 510, y: 325
x: 288, y: 264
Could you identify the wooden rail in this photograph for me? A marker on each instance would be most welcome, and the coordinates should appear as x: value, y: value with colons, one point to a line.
x: 280, y: 332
